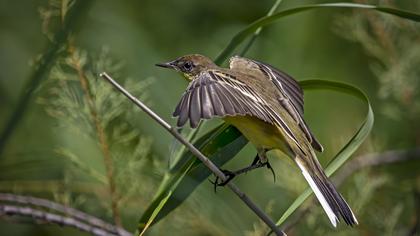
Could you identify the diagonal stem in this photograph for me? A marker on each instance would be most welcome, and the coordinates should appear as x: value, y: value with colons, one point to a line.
x: 261, y: 214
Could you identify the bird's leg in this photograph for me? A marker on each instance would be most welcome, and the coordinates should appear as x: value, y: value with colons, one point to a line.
x: 229, y: 174
x: 260, y: 160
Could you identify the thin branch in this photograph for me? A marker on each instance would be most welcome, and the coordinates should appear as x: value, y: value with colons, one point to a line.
x: 43, y: 67
x: 54, y: 219
x: 264, y: 217
x: 68, y: 211
x: 109, y: 166
x: 356, y: 164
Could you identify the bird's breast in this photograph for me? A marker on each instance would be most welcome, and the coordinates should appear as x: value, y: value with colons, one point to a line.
x: 258, y: 132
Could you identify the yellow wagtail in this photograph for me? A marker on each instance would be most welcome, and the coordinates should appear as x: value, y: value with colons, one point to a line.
x: 266, y: 106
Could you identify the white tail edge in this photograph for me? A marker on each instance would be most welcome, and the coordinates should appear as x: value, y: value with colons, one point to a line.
x: 327, y: 208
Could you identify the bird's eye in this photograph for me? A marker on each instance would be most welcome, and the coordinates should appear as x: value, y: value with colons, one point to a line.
x: 188, y: 66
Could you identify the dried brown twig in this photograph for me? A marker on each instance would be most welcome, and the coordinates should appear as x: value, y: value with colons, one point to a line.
x: 67, y: 216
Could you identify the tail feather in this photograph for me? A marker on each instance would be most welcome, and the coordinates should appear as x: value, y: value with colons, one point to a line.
x: 331, y: 200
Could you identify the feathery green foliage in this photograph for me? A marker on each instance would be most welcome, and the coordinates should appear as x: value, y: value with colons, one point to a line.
x: 392, y: 44
x: 69, y: 104
x: 71, y: 15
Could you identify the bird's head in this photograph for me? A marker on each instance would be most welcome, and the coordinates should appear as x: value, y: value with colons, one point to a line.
x: 189, y: 65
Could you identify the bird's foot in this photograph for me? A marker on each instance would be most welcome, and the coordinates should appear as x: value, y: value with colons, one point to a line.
x: 257, y: 163
x: 267, y: 164
x: 219, y: 183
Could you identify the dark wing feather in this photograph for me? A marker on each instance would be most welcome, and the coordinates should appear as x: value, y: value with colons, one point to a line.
x: 183, y: 114
x: 207, y: 106
x: 217, y: 104
x: 195, y: 107
x: 178, y: 107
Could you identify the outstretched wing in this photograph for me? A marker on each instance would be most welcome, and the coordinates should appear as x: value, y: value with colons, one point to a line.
x: 293, y: 93
x: 218, y: 94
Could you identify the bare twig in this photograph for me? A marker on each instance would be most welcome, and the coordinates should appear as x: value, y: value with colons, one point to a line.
x: 101, y: 135
x: 264, y: 217
x: 55, y: 219
x: 68, y: 211
x: 356, y: 164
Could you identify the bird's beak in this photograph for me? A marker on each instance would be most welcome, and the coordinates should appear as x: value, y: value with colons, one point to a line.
x: 169, y: 65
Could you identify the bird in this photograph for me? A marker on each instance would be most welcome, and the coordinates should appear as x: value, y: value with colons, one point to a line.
x: 266, y: 106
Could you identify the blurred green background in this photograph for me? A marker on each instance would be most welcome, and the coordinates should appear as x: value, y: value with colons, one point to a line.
x: 53, y: 151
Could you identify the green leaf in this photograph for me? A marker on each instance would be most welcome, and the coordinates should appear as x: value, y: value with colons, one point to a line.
x: 250, y: 29
x: 220, y: 145
x: 155, y: 212
x: 344, y: 154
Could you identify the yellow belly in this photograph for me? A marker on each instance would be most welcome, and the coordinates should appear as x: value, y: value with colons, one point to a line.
x: 258, y: 132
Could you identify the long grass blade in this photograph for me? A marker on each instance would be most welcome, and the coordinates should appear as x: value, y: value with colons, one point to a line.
x: 345, y: 153
x: 250, y: 29
x: 155, y: 213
